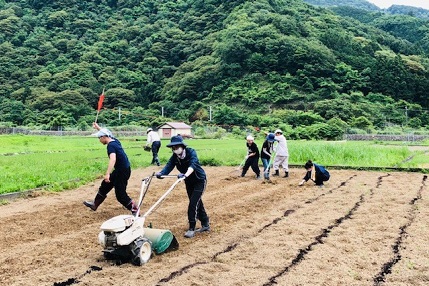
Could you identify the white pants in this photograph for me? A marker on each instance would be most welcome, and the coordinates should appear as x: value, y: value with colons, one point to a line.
x: 283, y: 161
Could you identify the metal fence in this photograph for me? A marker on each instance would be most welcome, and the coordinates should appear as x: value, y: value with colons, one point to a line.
x: 385, y: 137
x: 117, y: 133
x: 410, y: 137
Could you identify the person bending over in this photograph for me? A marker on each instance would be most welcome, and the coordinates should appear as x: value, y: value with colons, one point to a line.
x: 317, y: 173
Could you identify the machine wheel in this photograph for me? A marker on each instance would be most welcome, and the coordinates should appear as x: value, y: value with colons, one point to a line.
x: 142, y: 250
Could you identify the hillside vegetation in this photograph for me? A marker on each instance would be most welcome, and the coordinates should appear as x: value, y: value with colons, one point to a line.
x: 255, y: 63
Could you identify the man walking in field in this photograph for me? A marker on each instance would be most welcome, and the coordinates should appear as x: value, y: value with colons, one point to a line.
x: 282, y: 154
x: 117, y: 174
x: 155, y: 142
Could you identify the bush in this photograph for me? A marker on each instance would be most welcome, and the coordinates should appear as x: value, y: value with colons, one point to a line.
x: 210, y: 162
x: 324, y: 131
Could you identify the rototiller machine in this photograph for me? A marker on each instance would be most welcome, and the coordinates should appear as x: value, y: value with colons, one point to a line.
x: 125, y: 238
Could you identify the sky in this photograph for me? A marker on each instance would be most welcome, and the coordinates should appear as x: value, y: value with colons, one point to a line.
x: 387, y: 3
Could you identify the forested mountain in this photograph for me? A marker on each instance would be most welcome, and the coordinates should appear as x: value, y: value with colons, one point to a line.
x: 408, y: 10
x: 406, y: 22
x: 359, y: 4
x: 366, y: 5
x: 259, y: 63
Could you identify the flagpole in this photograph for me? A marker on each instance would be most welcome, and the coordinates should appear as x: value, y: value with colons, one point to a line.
x: 96, y: 117
x: 100, y: 104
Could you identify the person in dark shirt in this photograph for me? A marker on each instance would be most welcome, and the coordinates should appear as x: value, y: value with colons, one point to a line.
x: 252, y: 158
x: 186, y: 161
x: 117, y: 174
x: 317, y: 173
x: 266, y: 152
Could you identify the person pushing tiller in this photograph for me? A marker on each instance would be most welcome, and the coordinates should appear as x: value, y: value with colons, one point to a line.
x: 186, y: 161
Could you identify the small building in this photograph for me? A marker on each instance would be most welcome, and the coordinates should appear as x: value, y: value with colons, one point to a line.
x: 169, y: 129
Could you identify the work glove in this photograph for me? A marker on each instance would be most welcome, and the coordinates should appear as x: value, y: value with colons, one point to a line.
x: 159, y: 175
x: 181, y: 176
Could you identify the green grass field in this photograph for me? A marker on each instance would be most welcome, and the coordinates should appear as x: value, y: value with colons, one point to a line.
x: 58, y: 163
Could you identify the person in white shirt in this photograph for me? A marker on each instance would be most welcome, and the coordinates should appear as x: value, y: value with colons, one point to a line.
x: 282, y: 155
x: 155, y: 143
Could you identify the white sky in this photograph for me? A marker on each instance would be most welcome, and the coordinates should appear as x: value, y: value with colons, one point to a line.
x: 387, y: 3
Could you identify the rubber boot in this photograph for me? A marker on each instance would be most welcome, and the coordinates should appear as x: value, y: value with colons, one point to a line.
x: 97, y: 201
x: 276, y: 173
x: 286, y: 175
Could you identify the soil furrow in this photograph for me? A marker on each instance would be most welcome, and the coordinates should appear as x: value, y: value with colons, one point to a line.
x: 258, y: 228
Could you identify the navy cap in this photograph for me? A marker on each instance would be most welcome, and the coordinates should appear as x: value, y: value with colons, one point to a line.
x: 271, y: 137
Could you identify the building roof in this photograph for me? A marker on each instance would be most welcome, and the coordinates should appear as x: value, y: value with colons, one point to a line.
x: 175, y: 125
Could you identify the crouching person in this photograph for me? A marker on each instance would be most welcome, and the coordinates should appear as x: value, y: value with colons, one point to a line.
x: 317, y: 173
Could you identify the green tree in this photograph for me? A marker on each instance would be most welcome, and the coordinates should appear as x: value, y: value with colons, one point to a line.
x: 226, y: 115
x: 119, y: 97
x: 12, y: 111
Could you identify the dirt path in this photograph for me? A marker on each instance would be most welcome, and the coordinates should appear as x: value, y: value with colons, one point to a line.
x: 362, y: 228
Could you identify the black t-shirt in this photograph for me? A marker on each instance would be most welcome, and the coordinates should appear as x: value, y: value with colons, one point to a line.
x: 122, y: 161
x: 253, y: 148
x: 267, y: 146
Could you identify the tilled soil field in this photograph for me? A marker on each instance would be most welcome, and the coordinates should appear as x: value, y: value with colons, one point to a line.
x: 362, y: 228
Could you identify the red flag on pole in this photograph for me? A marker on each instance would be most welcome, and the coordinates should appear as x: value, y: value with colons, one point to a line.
x: 100, y: 101
x: 100, y: 104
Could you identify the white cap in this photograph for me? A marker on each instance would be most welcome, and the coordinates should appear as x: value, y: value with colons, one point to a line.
x: 149, y: 129
x: 250, y: 137
x: 103, y: 132
x: 278, y: 131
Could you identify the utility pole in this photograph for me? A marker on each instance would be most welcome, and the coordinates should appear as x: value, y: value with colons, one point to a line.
x: 162, y: 111
x: 119, y: 114
x: 406, y: 115
x: 210, y: 108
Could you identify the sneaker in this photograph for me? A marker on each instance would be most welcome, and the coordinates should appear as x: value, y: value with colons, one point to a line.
x: 203, y: 228
x: 258, y: 177
x: 190, y: 233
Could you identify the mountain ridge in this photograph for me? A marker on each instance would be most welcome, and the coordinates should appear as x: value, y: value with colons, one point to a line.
x: 260, y: 63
